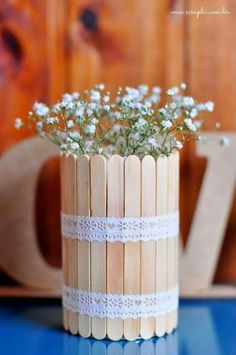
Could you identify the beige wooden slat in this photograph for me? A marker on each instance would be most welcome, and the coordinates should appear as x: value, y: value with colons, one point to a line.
x: 64, y: 209
x: 148, y: 252
x: 83, y: 209
x: 171, y: 243
x: 115, y: 208
x: 132, y: 249
x: 161, y: 245
x: 98, y: 250
x: 176, y: 274
x: 70, y: 181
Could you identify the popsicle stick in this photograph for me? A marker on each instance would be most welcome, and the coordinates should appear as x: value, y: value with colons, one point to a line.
x: 161, y: 245
x: 148, y: 252
x: 131, y: 249
x: 98, y: 250
x: 115, y: 205
x: 176, y: 275
x: 64, y: 209
x: 171, y: 244
x: 83, y: 209
x: 70, y: 181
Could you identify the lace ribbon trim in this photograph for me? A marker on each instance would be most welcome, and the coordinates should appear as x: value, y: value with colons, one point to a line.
x: 116, y: 229
x: 119, y: 306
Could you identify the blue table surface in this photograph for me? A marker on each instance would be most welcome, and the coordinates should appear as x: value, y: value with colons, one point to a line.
x: 31, y: 327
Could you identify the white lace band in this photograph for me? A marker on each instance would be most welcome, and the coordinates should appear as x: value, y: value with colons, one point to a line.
x: 120, y: 306
x: 116, y: 229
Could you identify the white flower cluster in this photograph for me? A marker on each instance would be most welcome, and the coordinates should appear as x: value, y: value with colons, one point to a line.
x: 132, y: 122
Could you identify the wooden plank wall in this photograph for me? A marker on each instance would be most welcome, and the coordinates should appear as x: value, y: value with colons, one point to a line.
x: 49, y: 47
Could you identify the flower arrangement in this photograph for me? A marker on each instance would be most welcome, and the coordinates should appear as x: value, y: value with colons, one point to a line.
x: 134, y: 122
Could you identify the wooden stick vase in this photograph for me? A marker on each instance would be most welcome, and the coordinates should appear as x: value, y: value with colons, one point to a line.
x: 120, y: 245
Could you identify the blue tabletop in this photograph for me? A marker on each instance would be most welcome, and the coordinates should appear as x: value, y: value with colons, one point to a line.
x: 34, y: 328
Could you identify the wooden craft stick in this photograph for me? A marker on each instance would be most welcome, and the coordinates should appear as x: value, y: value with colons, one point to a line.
x: 171, y: 244
x: 115, y: 205
x: 70, y: 182
x: 83, y: 209
x: 176, y: 275
x: 98, y: 249
x: 161, y: 245
x: 132, y: 249
x: 64, y: 209
x: 148, y: 252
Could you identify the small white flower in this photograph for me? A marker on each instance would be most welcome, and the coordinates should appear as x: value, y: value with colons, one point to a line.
x: 183, y: 86
x: 100, y: 150
x: 89, y: 112
x: 178, y: 145
x: 57, y: 108
x: 41, y: 109
x: 143, y: 89
x: 193, y: 113
x: 188, y: 101
x: 74, y: 146
x: 79, y: 111
x: 153, y: 143
x: 75, y: 95
x: 190, y: 125
x: 132, y: 93
x: 209, y: 106
x: 88, y: 145
x: 156, y: 90
x: 135, y: 136
x: 163, y: 111
x: 95, y: 95
x: 100, y: 86
x: 166, y: 124
x: 70, y: 124
x: 173, y: 91
x: 75, y: 135
x: 153, y: 99
x: 106, y: 107
x: 225, y: 141
x: 90, y: 129
x: 106, y: 99
x: 140, y: 123
x: 18, y: 123
x: 94, y: 121
x: 67, y: 98
x: 52, y: 120
x: 173, y: 105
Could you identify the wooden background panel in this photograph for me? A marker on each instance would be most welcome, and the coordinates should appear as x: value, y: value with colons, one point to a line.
x: 117, y: 42
x: 209, y: 58
x: 31, y: 60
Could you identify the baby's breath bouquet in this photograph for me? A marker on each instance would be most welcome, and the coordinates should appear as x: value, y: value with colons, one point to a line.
x: 132, y: 122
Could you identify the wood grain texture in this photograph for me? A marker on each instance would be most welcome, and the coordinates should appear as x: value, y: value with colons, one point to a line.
x: 172, y: 194
x: 71, y: 245
x: 161, y: 245
x: 115, y: 254
x: 132, y: 249
x: 148, y: 250
x: 98, y: 250
x: 64, y: 207
x: 83, y: 209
